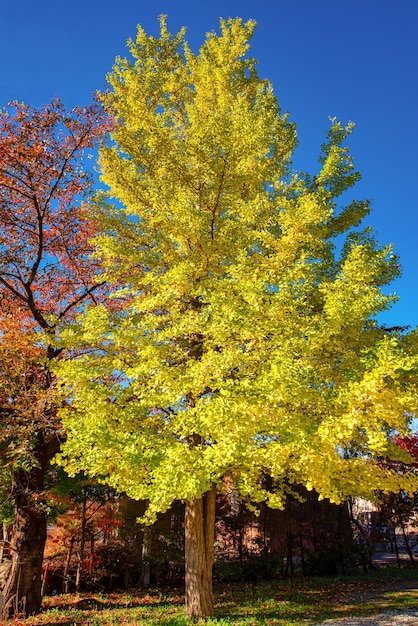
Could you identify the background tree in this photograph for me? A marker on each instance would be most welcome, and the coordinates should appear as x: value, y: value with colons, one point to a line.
x: 398, y: 509
x: 248, y: 346
x: 82, y: 514
x: 45, y: 276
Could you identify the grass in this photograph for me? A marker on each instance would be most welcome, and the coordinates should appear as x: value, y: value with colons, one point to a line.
x: 304, y: 601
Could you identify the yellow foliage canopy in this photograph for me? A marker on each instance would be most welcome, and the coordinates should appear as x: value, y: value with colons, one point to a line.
x: 244, y: 344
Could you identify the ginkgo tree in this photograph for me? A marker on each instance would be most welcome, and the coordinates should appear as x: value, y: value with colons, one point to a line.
x: 245, y: 345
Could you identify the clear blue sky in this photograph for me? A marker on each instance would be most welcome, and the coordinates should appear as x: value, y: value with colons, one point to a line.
x: 356, y: 60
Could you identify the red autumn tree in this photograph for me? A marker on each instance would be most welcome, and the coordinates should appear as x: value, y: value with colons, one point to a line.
x: 84, y: 516
x: 410, y: 444
x: 46, y: 275
x: 397, y: 509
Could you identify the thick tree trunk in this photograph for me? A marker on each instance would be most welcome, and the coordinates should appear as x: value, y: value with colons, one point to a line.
x: 22, y: 592
x: 199, y: 545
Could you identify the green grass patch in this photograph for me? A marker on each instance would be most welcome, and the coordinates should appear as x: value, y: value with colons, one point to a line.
x: 304, y: 601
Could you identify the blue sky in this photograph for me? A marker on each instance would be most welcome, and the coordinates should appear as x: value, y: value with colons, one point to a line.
x: 356, y: 60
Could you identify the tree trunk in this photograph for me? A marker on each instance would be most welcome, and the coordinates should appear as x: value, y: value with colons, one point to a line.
x: 395, y: 543
x: 408, y: 546
x: 146, y: 555
x: 366, y: 552
x: 342, y: 509
x: 66, y: 574
x: 199, y: 546
x: 82, y: 544
x: 22, y: 592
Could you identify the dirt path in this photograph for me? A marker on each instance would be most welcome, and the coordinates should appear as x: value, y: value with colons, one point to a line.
x: 387, y: 617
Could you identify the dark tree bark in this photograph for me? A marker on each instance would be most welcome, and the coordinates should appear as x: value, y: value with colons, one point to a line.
x: 199, y: 552
x: 82, y: 543
x: 146, y: 555
x: 408, y: 545
x: 395, y: 544
x: 66, y: 574
x: 22, y: 593
x: 342, y: 511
